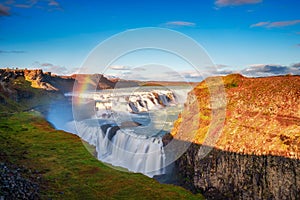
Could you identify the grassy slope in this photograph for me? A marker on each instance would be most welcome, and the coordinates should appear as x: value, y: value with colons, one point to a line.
x: 68, y: 170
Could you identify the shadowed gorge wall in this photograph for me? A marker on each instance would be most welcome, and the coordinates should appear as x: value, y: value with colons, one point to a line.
x: 230, y: 175
x: 257, y: 153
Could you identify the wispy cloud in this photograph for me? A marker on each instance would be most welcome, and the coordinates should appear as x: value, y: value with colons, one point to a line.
x: 196, y: 76
x: 13, y: 51
x: 46, y: 65
x: 296, y: 65
x: 224, y: 3
x: 7, y: 6
x: 221, y: 66
x: 23, y: 5
x: 179, y: 24
x: 53, y: 3
x: 260, y: 24
x: 55, y: 69
x: 262, y: 70
x: 4, y: 10
x: 254, y: 70
x: 119, y: 67
x: 276, y: 24
x: 284, y: 23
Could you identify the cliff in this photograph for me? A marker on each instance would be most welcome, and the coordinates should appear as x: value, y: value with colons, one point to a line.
x: 22, y: 89
x: 52, y: 82
x: 256, y: 154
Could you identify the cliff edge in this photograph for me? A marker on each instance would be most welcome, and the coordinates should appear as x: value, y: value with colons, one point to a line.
x: 256, y: 155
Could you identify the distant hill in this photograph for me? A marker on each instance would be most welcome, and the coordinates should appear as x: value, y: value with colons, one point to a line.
x: 21, y: 85
x: 49, y: 81
x: 25, y: 88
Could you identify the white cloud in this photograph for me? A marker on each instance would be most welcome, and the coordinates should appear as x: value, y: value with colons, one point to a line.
x: 53, y: 3
x: 119, y: 67
x: 221, y: 66
x: 55, y: 69
x: 179, y: 24
x: 260, y: 24
x: 224, y: 3
x: 197, y: 76
x: 253, y: 70
x: 261, y: 70
x: 276, y: 24
x: 12, y: 51
x: 7, y: 6
x: 296, y: 65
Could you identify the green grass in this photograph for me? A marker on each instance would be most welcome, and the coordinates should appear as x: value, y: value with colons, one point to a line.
x: 68, y: 170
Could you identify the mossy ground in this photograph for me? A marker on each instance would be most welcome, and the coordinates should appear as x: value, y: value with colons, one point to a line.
x: 67, y: 169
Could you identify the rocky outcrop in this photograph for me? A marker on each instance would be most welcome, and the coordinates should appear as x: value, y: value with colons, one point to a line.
x: 19, y: 89
x: 256, y: 153
x: 39, y: 79
x: 52, y: 82
x: 230, y: 175
x: 93, y: 81
x: 23, y: 89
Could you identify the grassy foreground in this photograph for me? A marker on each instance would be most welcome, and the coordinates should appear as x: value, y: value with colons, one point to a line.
x: 67, y: 169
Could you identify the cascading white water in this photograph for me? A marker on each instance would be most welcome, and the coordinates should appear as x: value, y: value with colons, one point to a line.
x: 137, y: 102
x: 122, y: 147
x: 137, y: 146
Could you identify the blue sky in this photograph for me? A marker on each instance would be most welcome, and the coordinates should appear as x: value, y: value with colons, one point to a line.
x: 58, y: 35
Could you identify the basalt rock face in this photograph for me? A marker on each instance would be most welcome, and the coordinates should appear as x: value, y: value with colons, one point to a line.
x: 257, y: 151
x: 229, y: 175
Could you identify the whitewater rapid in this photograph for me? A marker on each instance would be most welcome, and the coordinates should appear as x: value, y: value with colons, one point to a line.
x: 127, y: 128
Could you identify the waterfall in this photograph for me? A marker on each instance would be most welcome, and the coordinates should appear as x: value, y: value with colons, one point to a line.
x: 127, y: 127
x: 122, y: 147
x: 138, y: 102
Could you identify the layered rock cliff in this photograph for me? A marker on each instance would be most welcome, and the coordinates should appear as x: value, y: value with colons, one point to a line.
x: 26, y: 89
x: 52, y: 82
x: 22, y: 89
x: 256, y: 153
